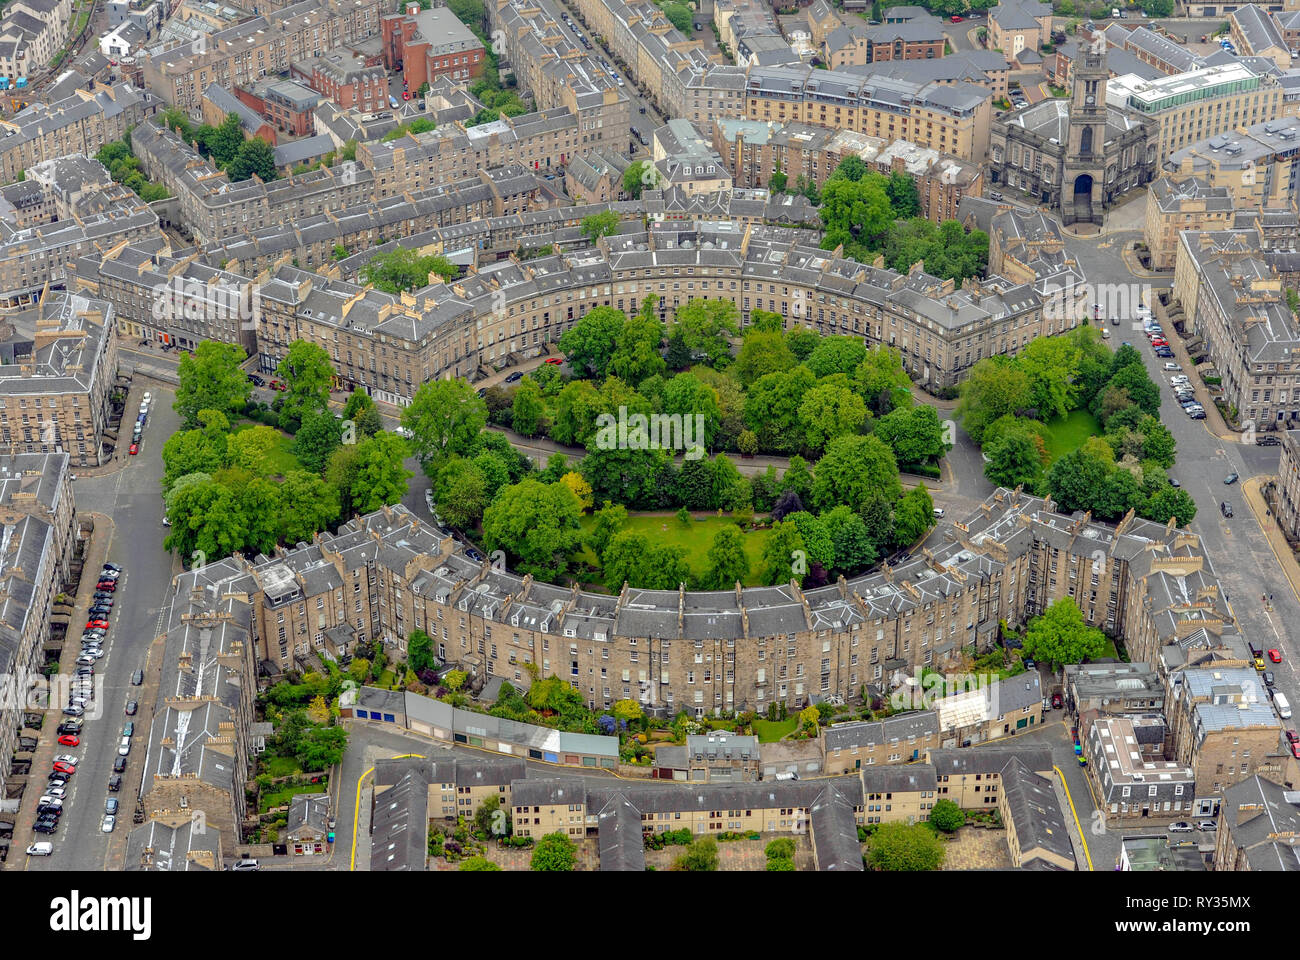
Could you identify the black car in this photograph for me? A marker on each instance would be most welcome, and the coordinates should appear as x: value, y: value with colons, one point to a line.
x: 115, y: 783
x: 1268, y: 441
x: 113, y: 566
x: 131, y: 707
x: 1268, y: 678
x: 119, y: 764
x: 137, y: 678
x: 514, y: 377
x: 45, y: 826
x: 70, y: 726
x: 1225, y: 508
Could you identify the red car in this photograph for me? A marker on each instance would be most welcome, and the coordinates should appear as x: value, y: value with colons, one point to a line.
x: 109, y: 585
x: 61, y: 767
x: 135, y: 448
x: 406, y: 94
x: 1159, y: 342
x: 956, y: 19
x: 1275, y: 656
x: 101, y: 624
x: 1295, y: 750
x: 1056, y: 701
x: 68, y: 740
x: 1292, y: 737
x: 554, y: 361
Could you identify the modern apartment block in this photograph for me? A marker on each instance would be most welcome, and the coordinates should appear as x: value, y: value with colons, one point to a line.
x: 261, y: 46
x: 59, y: 368
x: 1256, y: 163
x: 951, y: 118
x: 1189, y: 107
x: 1134, y: 784
x: 37, y: 536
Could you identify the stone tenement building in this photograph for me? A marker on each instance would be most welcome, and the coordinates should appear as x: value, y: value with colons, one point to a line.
x: 1077, y: 155
x: 58, y: 366
x: 429, y: 44
x: 513, y: 306
x: 36, y: 539
x: 388, y: 574
x: 78, y: 124
x: 1284, y: 495
x: 953, y: 118
x: 238, y: 55
x: 1256, y: 163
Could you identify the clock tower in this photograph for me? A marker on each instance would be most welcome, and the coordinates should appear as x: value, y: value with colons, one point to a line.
x: 1083, y: 191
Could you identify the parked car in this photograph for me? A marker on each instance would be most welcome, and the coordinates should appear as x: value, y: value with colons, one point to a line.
x: 137, y: 678
x: 108, y: 823
x: 1268, y: 440
x: 131, y: 707
x: 514, y: 377
x: 111, y: 805
x: 135, y: 448
x: 124, y: 746
x: 1268, y: 678
x: 554, y: 361
x: 115, y: 782
x: 74, y: 710
x: 1225, y: 508
x: 1182, y: 826
x: 45, y: 826
x: 119, y: 764
x: 128, y: 729
x: 97, y: 625
x: 61, y: 767
x: 1172, y: 366
x: 42, y: 848
x: 1275, y: 656
x: 69, y: 740
x: 1207, y: 825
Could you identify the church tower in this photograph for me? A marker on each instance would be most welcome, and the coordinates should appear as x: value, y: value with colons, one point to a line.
x: 1083, y: 189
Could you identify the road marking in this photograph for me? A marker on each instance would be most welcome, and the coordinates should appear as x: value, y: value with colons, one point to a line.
x: 356, y: 807
x: 1082, y: 839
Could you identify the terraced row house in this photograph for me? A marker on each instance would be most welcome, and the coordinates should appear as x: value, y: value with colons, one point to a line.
x: 37, y: 537
x: 238, y: 55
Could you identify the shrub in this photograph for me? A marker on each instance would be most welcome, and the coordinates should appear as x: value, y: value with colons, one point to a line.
x: 780, y: 864
x: 947, y: 816
x: 781, y: 848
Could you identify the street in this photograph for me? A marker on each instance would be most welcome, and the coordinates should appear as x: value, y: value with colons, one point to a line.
x: 128, y: 509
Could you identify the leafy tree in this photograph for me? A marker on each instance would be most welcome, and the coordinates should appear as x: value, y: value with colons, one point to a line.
x: 639, y: 175
x: 309, y: 504
x: 461, y: 492
x: 701, y: 856
x: 836, y: 354
x: 322, y: 747
x: 419, y: 652
x: 528, y: 408
x: 444, y: 418
x: 632, y: 558
x: 1079, y: 480
x: 903, y: 198
x: 802, y: 341
x: 913, y: 515
x: 633, y: 476
x: 816, y: 538
x: 947, y: 816
x: 679, y: 14
x: 580, y: 489
x: 853, y: 548
x: 224, y: 142
x: 808, y: 720
x: 1168, y: 502
x: 830, y: 410
x: 636, y: 355
x: 599, y: 225
x: 781, y: 847
x: 1049, y: 364
x: 852, y: 469
x: 1059, y: 636
x: 380, y: 477
x: 255, y: 158
x: 610, y: 519
x: 478, y: 864
x: 210, y: 379
x: 779, y: 864
x: 772, y: 409
x: 1133, y: 379
x: 629, y: 711
x: 994, y: 388
x: 262, y: 508
x: 554, y: 853
x: 1015, y: 459
x: 192, y: 451
x: 882, y: 381
x: 688, y: 395
x: 706, y: 327
x: 913, y: 433
x: 575, y: 411
x: 453, y: 680
x: 404, y: 269
x: 727, y: 562
x: 897, y: 847
x: 536, y: 524
x: 784, y: 556
x: 798, y: 478
x: 761, y: 353
x: 361, y: 410
x: 589, y: 345
x: 491, y: 819
x: 206, y: 517
x: 856, y: 215
x: 307, y: 372
x: 251, y: 449
x: 317, y: 438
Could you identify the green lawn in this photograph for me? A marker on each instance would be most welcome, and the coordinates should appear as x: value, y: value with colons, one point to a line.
x: 770, y: 731
x: 696, y: 537
x: 1069, y: 434
x: 282, y: 457
x: 282, y: 795
x: 280, y: 766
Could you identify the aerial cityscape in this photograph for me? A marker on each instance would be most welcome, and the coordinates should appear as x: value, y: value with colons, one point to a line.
x: 665, y: 435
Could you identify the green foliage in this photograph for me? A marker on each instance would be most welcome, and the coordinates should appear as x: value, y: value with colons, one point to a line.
x: 554, y: 852
x: 599, y: 225
x: 706, y: 328
x: 947, y: 816
x: 404, y: 269
x: 536, y: 524
x: 780, y: 848
x: 897, y: 847
x: 444, y: 417
x: 210, y: 379
x: 478, y: 864
x: 254, y: 158
x: 416, y: 126
x: 701, y: 856
x: 308, y: 374
x: 852, y: 470
x: 727, y: 562
x: 1060, y: 636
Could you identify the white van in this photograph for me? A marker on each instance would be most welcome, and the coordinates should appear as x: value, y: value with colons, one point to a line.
x: 42, y: 848
x: 1283, y: 706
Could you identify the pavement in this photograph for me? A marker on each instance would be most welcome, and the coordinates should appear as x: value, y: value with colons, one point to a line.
x: 126, y: 503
